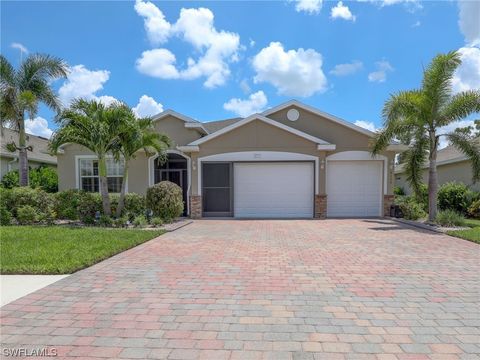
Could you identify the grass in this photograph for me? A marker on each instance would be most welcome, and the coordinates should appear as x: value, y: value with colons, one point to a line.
x: 472, y: 234
x: 63, y: 250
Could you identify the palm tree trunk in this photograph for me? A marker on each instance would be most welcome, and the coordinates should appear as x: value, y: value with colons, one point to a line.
x: 102, y: 175
x: 432, y: 181
x: 22, y: 152
x: 121, y: 200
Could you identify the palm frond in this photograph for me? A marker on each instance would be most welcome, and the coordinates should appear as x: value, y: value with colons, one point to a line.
x: 414, y: 160
x: 459, y: 107
x: 470, y: 146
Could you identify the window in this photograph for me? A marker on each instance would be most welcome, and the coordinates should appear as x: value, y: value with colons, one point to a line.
x: 89, y: 175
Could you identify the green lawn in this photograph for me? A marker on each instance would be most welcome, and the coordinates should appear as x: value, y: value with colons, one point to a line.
x: 61, y: 249
x: 472, y: 234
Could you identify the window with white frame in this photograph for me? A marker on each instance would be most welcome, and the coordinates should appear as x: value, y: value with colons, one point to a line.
x: 88, y: 173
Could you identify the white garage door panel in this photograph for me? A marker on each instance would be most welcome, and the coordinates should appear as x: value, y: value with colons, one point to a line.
x: 273, y: 190
x: 354, y: 188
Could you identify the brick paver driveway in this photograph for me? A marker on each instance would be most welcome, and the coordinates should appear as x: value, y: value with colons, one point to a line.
x: 334, y: 289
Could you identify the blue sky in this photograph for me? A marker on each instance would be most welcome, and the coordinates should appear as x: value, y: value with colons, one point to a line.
x: 343, y: 57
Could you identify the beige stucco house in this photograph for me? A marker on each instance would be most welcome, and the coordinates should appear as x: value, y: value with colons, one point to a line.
x: 452, y: 165
x: 290, y: 161
x: 38, y: 156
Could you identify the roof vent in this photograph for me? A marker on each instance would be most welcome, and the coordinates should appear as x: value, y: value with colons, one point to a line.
x: 293, y: 114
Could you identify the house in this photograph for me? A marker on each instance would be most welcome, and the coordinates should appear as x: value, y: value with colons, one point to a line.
x: 291, y: 161
x: 452, y: 165
x: 38, y: 156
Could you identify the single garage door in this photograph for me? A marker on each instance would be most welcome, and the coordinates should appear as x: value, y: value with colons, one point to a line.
x: 273, y: 190
x: 354, y: 188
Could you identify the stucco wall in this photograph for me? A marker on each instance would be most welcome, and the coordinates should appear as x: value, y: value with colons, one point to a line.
x: 176, y: 131
x: 460, y: 171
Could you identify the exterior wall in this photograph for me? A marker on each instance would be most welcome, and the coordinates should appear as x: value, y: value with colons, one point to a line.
x: 176, y: 131
x: 254, y: 136
x: 460, y: 171
x: 4, y: 168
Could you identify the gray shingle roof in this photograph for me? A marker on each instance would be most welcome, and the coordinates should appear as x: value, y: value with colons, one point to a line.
x: 39, y: 146
x: 213, y: 126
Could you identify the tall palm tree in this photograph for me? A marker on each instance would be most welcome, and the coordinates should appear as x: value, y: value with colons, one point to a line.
x: 21, y: 91
x: 416, y: 117
x: 137, y: 135
x: 95, y: 126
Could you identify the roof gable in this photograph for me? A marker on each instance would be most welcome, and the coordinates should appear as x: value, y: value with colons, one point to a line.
x: 189, y: 122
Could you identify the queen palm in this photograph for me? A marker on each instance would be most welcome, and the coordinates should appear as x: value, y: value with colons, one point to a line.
x: 95, y: 126
x: 21, y: 91
x: 418, y: 117
x: 136, y: 135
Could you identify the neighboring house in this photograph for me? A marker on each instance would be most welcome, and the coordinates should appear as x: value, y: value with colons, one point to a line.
x: 289, y: 161
x: 452, y: 165
x: 37, y: 157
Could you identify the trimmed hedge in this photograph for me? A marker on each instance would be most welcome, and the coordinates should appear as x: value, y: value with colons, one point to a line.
x: 43, y: 177
x: 165, y: 199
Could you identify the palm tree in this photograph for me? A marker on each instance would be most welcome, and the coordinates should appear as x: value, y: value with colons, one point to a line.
x: 416, y: 118
x: 95, y: 126
x: 21, y: 91
x: 137, y: 135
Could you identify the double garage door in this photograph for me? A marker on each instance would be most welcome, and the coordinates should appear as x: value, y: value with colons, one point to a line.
x: 286, y: 189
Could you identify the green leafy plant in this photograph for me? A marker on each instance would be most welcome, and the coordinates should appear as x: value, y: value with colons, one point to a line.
x: 67, y: 202
x: 105, y: 221
x: 157, y: 221
x: 474, y: 210
x: 44, y: 177
x: 450, y: 218
x: 27, y: 215
x: 5, y: 216
x: 41, y: 201
x: 454, y: 196
x: 411, y: 209
x: 121, y: 221
x: 88, y: 206
x: 399, y: 191
x: 165, y: 199
x: 140, y: 221
x: 10, y: 179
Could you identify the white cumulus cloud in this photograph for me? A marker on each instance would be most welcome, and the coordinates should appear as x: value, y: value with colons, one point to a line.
x: 255, y: 103
x: 341, y: 11
x: 82, y: 83
x: 38, y: 126
x: 469, y: 15
x: 216, y: 49
x: 293, y: 72
x: 147, y: 106
x: 366, y: 125
x: 450, y: 128
x: 467, y: 76
x: 308, y: 6
x: 22, y: 48
x: 380, y: 74
x: 347, y: 69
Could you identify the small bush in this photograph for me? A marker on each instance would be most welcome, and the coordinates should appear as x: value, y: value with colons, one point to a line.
x: 398, y: 190
x: 43, y: 177
x: 11, y: 179
x: 105, y: 221
x: 121, y: 221
x: 27, y: 215
x: 454, y: 196
x: 135, y: 204
x: 156, y: 221
x: 41, y: 201
x: 450, y: 218
x: 67, y: 203
x: 165, y: 199
x: 88, y: 206
x: 411, y: 209
x: 474, y: 210
x: 140, y: 221
x: 5, y: 216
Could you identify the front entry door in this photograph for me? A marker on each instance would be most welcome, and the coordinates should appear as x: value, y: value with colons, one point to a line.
x: 217, y: 189
x: 174, y: 176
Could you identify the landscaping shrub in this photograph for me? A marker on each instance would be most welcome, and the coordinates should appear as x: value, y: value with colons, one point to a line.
x: 67, y: 203
x: 454, y: 196
x: 5, y: 216
x: 422, y: 198
x: 27, y: 215
x: 156, y: 221
x: 43, y: 177
x: 88, y: 206
x: 474, y: 210
x: 140, y: 221
x: 135, y: 204
x: 121, y: 221
x: 41, y: 201
x: 105, y: 221
x: 165, y: 200
x: 450, y: 218
x: 411, y: 209
x: 398, y: 190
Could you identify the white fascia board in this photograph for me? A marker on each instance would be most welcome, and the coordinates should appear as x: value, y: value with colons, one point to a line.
x: 319, y: 113
x: 196, y: 125
x: 265, y: 120
x: 189, y: 122
x: 188, y: 148
x: 327, y: 147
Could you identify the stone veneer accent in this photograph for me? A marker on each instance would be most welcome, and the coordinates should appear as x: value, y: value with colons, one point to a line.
x: 387, y: 202
x: 195, y: 206
x: 320, y: 206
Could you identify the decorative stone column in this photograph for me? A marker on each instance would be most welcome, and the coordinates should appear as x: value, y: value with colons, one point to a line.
x: 387, y: 202
x: 195, y: 206
x: 320, y: 206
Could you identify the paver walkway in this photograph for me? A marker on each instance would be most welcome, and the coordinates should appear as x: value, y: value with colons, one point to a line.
x: 334, y: 289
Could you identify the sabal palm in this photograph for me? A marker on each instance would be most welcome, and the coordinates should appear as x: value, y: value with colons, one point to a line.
x: 21, y: 91
x: 95, y: 126
x: 137, y: 135
x: 417, y: 117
